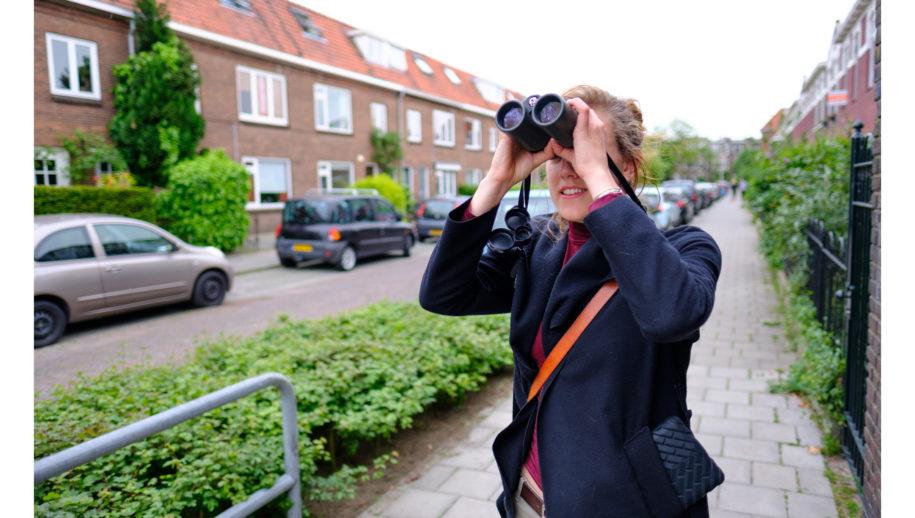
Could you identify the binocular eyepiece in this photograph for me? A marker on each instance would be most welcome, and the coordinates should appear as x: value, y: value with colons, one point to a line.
x: 534, y: 120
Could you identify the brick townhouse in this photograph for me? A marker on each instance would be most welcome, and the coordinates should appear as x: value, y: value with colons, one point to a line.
x: 288, y: 92
x: 847, y: 73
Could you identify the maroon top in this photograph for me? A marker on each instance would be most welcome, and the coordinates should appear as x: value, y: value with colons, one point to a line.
x: 578, y: 236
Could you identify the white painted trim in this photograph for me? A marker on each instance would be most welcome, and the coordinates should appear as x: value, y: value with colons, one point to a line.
x: 442, y: 142
x: 104, y: 7
x: 74, y: 91
x: 254, y: 205
x: 316, y: 87
x: 447, y: 166
x: 478, y: 131
x: 382, y: 110
x: 330, y: 164
x: 419, y: 134
x: 254, y: 117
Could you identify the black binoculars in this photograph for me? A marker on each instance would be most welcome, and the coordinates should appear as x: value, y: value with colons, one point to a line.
x: 531, y: 123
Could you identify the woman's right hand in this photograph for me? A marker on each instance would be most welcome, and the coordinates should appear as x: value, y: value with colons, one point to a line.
x: 511, y: 164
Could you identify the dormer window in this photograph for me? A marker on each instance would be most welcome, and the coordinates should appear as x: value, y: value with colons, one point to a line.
x: 308, y: 26
x: 380, y: 52
x: 490, y: 91
x: 452, y: 76
x: 241, y: 5
x: 422, y: 64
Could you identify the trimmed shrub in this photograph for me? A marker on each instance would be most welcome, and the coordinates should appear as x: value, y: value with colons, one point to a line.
x: 133, y: 202
x: 204, y: 203
x: 359, y: 377
x: 387, y: 188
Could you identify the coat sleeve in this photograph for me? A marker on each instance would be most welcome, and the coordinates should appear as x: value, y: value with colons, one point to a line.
x: 668, y: 284
x: 460, y: 279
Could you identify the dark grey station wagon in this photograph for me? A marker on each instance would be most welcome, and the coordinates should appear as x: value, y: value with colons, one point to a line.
x: 340, y: 228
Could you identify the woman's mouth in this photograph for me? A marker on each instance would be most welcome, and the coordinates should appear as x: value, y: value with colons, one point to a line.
x: 571, y: 192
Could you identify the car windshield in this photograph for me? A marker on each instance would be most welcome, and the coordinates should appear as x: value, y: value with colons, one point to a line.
x: 309, y: 212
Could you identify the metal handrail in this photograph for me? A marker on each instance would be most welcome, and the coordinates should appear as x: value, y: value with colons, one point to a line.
x: 289, y: 482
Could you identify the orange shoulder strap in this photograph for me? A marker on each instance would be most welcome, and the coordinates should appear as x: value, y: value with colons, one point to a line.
x: 571, y: 335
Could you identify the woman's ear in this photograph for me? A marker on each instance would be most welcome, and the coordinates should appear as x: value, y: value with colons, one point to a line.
x: 629, y: 172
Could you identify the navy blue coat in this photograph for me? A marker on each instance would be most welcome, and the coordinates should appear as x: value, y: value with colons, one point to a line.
x: 624, y: 375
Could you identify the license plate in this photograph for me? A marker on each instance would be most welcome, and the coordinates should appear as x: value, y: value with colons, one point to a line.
x: 302, y: 248
x: 435, y: 232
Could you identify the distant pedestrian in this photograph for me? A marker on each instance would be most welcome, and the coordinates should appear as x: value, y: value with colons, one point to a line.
x: 742, y: 187
x: 734, y: 186
x: 579, y: 444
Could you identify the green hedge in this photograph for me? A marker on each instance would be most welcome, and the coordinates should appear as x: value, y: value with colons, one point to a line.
x: 358, y: 377
x: 795, y: 182
x: 133, y: 202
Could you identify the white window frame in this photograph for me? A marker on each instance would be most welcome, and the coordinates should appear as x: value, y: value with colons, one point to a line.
x: 379, y: 114
x: 440, y: 118
x: 424, y: 182
x: 272, y: 120
x: 473, y: 177
x: 493, y: 139
x: 62, y: 163
x: 406, y: 178
x: 197, y: 106
x: 475, y: 142
x: 251, y: 164
x: 321, y: 95
x: 414, y: 126
x: 73, y: 91
x: 446, y: 178
x: 329, y: 164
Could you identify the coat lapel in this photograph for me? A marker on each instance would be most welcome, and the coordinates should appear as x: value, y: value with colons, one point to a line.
x: 576, y: 283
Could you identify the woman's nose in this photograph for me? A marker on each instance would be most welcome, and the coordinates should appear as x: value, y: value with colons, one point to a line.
x: 567, y: 171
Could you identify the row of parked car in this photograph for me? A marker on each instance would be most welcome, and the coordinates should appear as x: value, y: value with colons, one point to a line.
x: 94, y: 265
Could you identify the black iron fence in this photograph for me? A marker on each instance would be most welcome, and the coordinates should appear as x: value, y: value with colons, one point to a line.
x: 839, y: 269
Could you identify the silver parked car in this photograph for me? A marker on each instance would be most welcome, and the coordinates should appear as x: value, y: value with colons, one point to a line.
x: 93, y: 265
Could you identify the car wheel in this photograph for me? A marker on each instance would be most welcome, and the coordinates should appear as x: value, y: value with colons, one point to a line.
x: 50, y: 321
x: 210, y: 289
x: 288, y: 263
x: 407, y: 245
x: 347, y: 259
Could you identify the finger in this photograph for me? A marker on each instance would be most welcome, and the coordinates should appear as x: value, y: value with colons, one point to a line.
x: 545, y: 154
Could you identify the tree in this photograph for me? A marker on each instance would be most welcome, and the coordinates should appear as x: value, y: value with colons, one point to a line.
x: 155, y: 123
x: 681, y: 153
x: 386, y: 150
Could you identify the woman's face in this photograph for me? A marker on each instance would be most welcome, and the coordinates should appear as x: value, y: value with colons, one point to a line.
x: 568, y: 190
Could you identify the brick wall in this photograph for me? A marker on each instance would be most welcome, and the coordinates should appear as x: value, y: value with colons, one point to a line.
x: 871, y: 480
x: 57, y: 116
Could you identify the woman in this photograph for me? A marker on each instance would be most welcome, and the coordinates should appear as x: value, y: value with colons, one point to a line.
x: 578, y: 448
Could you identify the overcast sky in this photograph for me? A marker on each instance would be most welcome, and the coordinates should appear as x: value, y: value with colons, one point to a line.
x: 724, y: 67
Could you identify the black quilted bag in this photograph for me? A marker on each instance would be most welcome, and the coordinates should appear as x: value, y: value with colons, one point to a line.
x: 692, y: 471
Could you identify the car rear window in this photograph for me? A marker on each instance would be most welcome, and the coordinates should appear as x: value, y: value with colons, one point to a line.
x: 63, y: 245
x: 438, y: 209
x: 309, y: 212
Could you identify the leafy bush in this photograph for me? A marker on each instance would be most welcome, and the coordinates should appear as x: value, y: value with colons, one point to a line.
x: 205, y: 201
x: 133, y: 202
x: 467, y: 189
x: 358, y: 377
x: 386, y: 150
x: 387, y: 188
x: 798, y: 181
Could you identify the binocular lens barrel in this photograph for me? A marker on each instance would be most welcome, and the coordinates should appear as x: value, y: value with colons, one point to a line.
x: 501, y: 240
x: 514, y: 119
x: 555, y: 118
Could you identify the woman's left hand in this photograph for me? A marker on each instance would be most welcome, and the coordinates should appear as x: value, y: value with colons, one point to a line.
x: 589, y: 156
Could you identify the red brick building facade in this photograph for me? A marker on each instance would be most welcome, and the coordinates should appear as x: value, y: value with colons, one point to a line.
x: 288, y: 92
x: 847, y: 75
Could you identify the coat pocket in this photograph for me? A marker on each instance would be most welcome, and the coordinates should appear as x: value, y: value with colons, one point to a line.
x: 657, y: 490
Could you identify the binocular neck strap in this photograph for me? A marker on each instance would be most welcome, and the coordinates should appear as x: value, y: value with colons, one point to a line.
x: 524, y: 194
x: 623, y: 183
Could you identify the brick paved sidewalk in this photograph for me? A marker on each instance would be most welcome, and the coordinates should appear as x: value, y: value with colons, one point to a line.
x: 759, y: 439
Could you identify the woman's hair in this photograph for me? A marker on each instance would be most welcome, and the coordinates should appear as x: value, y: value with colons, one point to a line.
x: 627, y: 120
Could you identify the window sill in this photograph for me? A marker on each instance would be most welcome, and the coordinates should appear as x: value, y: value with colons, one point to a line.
x: 444, y: 144
x: 76, y: 99
x: 263, y: 207
x: 334, y: 131
x: 473, y: 148
x: 283, y: 123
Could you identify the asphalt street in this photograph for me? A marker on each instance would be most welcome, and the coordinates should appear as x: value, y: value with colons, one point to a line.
x: 168, y: 334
